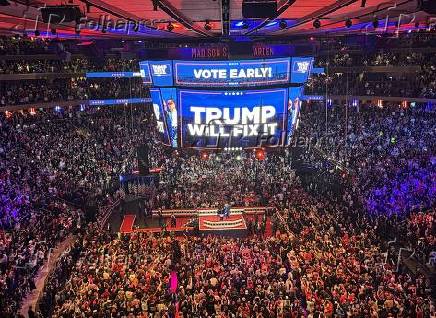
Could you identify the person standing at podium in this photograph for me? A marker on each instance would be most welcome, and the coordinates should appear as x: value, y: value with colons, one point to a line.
x: 227, y: 210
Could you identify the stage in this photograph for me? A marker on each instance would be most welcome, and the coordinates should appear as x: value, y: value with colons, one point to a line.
x: 233, y: 225
x: 191, y: 222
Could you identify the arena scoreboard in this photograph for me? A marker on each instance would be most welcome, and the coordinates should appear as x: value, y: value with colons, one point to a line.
x: 219, y: 104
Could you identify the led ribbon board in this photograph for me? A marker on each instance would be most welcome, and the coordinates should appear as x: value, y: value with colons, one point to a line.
x: 107, y: 102
x: 225, y: 74
x: 232, y: 73
x: 114, y: 75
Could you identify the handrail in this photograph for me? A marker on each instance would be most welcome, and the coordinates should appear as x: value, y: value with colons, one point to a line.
x: 108, y: 212
x: 47, y: 263
x: 66, y: 251
x: 402, y: 249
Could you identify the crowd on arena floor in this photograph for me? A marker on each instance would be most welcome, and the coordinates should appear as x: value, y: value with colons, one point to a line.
x: 191, y: 182
x: 329, y: 264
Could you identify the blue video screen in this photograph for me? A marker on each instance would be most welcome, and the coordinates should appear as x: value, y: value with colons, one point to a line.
x: 301, y: 69
x: 294, y: 107
x: 160, y: 114
x: 161, y: 73
x: 242, y: 118
x: 169, y: 103
x: 144, y: 70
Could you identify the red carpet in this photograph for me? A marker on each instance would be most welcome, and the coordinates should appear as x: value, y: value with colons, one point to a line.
x: 127, y: 225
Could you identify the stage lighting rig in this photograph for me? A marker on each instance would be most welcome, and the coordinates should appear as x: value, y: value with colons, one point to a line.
x: 61, y: 14
x: 259, y: 9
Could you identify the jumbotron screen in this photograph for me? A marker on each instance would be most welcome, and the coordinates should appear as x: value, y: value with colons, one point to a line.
x: 242, y: 118
x: 253, y: 103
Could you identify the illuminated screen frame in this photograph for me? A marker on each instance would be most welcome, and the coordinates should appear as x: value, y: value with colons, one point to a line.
x: 163, y: 75
x: 227, y: 65
x: 145, y: 73
x: 281, y: 133
x: 164, y: 136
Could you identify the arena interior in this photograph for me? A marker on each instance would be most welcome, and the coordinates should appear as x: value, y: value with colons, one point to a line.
x: 218, y: 158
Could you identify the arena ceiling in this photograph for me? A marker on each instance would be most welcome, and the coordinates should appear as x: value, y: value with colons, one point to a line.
x: 214, y: 19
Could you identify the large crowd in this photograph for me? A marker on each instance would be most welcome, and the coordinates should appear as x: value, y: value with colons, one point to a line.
x: 17, y: 45
x: 353, y: 70
x: 420, y: 85
x: 75, y: 65
x: 389, y: 151
x: 192, y: 182
x: 326, y: 263
x: 325, y: 255
x: 45, y: 159
x: 326, y: 258
x: 419, y: 82
x: 74, y: 89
